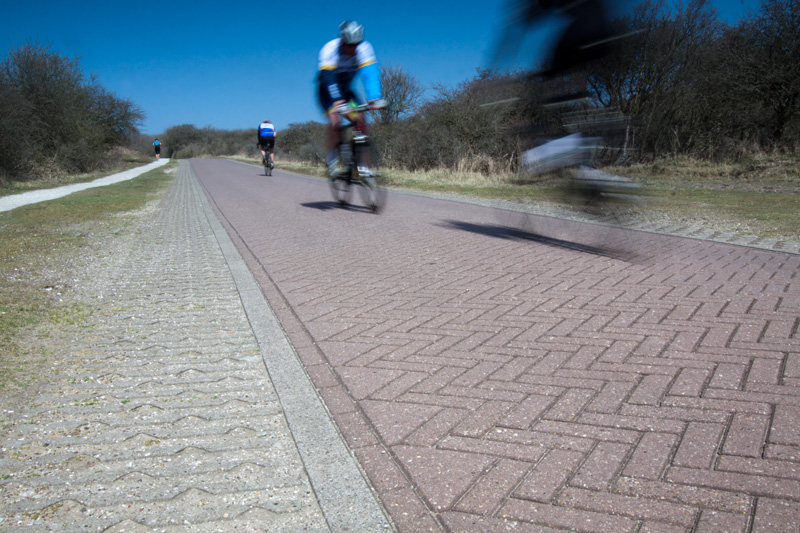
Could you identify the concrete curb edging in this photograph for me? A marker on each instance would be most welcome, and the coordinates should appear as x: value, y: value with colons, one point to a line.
x: 344, y: 494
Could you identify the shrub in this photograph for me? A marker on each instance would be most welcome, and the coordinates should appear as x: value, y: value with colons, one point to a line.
x: 54, y: 120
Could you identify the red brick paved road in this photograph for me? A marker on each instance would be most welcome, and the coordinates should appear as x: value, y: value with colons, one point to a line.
x: 490, y: 379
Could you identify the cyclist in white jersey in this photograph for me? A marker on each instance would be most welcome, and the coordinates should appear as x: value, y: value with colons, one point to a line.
x: 340, y: 60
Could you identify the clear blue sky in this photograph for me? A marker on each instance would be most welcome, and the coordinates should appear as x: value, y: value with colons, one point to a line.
x: 230, y: 64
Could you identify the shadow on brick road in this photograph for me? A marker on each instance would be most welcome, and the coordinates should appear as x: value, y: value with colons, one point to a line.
x: 510, y: 233
x: 327, y: 206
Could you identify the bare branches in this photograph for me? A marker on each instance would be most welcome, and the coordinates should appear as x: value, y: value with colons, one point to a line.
x: 401, y: 91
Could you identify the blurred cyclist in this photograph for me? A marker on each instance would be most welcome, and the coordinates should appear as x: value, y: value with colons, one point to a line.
x: 586, y: 38
x: 339, y: 62
x: 266, y: 141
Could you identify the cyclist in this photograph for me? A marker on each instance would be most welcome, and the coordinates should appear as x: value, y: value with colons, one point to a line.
x: 340, y: 60
x: 266, y: 142
x: 585, y: 39
x: 157, y: 148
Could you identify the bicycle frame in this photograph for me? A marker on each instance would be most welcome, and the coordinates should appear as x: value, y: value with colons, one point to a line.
x: 355, y: 158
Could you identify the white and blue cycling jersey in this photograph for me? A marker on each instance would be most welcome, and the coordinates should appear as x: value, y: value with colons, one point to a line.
x: 337, y: 71
x: 266, y: 129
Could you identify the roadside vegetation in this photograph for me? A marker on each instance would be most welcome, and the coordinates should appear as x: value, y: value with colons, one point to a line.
x: 56, y: 120
x: 120, y: 159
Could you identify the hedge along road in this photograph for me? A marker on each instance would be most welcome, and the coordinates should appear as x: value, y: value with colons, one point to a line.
x: 13, y: 201
x: 564, y: 375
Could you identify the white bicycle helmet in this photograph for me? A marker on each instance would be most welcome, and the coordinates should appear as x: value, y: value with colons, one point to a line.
x: 351, y: 32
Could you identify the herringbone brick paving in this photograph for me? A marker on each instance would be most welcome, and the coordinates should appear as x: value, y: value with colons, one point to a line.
x: 563, y: 376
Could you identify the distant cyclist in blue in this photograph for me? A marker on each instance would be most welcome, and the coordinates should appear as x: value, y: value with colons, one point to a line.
x: 157, y: 148
x: 340, y: 60
x: 266, y: 141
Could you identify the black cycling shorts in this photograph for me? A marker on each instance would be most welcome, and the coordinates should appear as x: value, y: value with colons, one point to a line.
x: 266, y: 143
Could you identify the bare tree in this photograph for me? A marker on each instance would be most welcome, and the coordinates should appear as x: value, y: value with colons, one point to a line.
x: 654, y: 66
x: 402, y: 92
x: 770, y: 73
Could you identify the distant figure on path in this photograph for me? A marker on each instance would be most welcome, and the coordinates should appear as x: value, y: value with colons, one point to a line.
x: 266, y: 142
x: 157, y: 148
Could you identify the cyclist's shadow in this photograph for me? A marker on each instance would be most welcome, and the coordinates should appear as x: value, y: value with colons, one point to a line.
x: 522, y: 234
x: 330, y: 205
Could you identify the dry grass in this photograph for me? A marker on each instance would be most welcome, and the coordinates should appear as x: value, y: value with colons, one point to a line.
x: 759, y: 173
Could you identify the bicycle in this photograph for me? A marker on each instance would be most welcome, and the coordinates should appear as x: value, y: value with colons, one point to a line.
x: 268, y: 165
x: 355, y: 156
x: 265, y: 157
x: 595, y: 137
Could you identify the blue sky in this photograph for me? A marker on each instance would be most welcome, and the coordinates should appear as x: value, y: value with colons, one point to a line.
x: 231, y: 64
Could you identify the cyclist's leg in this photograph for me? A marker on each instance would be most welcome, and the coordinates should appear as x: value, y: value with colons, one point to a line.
x: 272, y: 151
x: 332, y: 159
x: 327, y: 103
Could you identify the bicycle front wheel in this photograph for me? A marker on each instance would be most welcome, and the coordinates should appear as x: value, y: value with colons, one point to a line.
x: 373, y: 194
x: 340, y: 189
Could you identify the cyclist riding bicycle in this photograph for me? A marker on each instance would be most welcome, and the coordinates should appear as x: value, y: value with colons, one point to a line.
x: 340, y: 60
x: 585, y: 39
x: 266, y: 141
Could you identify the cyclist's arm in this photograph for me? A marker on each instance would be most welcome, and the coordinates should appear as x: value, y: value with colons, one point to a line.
x: 369, y: 71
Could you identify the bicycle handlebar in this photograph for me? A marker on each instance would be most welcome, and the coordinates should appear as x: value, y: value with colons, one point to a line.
x: 344, y: 109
